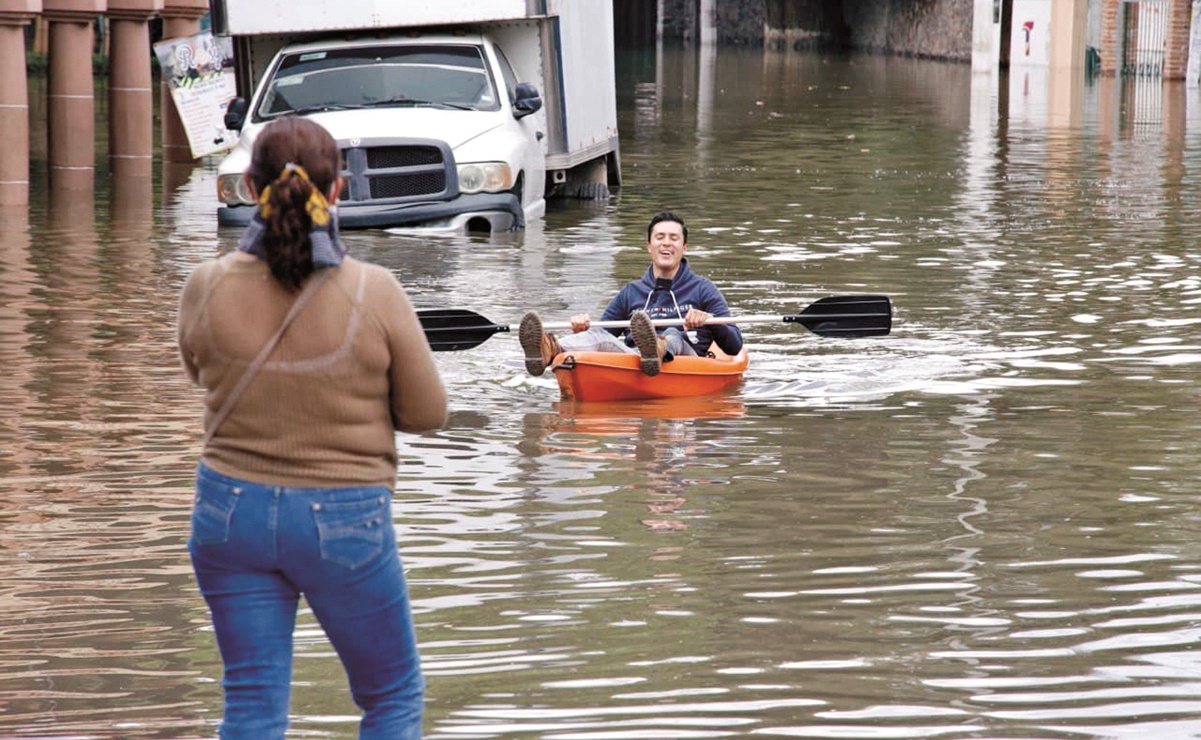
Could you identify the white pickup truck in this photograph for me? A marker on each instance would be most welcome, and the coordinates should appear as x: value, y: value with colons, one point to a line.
x: 457, y: 115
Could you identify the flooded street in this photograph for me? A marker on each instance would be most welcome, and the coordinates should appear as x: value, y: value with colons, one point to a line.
x: 982, y: 526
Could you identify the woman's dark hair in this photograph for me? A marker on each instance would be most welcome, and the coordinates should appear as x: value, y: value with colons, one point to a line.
x: 666, y: 216
x: 297, y: 141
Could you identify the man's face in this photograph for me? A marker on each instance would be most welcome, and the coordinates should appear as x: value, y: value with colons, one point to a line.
x: 666, y: 247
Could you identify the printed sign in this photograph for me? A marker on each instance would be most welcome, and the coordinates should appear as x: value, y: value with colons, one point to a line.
x: 1030, y: 43
x: 199, y: 72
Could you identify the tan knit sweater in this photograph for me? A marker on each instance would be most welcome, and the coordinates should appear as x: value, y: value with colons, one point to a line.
x: 353, y: 367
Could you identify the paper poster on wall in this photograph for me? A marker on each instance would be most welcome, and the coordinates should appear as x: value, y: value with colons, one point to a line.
x: 1030, y: 43
x: 199, y: 72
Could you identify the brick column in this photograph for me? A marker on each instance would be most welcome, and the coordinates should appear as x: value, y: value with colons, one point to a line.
x: 14, y: 101
x: 1180, y: 15
x: 1111, y: 26
x: 181, y: 18
x: 1176, y: 46
x: 130, y: 89
x: 71, y: 105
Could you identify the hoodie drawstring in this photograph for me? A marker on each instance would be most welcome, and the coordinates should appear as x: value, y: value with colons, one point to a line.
x: 689, y: 335
x: 671, y: 293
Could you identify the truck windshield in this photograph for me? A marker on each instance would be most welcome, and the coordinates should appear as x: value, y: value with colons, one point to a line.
x: 370, y: 76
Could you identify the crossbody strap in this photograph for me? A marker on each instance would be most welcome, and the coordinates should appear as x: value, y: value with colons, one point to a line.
x: 261, y: 358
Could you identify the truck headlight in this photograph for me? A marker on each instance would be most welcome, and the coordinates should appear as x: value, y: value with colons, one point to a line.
x: 491, y: 177
x: 232, y: 190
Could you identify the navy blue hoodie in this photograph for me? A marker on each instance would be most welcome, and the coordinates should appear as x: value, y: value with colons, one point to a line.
x: 670, y: 299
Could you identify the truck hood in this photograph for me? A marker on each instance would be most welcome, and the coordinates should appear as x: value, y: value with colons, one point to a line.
x: 455, y: 127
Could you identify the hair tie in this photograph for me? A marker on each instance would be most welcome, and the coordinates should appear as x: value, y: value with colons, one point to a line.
x: 317, y: 206
x: 265, y: 202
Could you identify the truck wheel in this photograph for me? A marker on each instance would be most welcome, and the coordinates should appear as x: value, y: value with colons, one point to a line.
x: 592, y: 191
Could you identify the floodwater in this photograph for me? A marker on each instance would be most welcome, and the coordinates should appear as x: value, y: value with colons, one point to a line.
x: 982, y: 526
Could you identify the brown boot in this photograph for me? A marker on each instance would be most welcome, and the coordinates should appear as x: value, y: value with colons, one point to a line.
x: 550, y: 348
x: 539, y: 346
x: 650, y: 345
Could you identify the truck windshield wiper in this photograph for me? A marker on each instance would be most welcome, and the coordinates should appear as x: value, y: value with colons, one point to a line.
x: 322, y: 107
x: 415, y: 102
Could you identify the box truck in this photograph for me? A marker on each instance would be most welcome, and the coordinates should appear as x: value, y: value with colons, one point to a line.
x: 462, y: 115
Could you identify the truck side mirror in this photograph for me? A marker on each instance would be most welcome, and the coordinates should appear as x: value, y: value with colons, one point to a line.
x: 235, y: 114
x: 525, y: 100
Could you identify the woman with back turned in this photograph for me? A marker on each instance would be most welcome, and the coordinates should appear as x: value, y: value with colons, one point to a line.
x: 310, y: 361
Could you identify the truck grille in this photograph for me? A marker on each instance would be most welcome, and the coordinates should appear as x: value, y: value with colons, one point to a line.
x: 390, y: 171
x: 383, y: 157
x: 401, y: 186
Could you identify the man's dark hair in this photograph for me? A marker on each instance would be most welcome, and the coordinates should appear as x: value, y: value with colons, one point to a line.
x: 666, y: 216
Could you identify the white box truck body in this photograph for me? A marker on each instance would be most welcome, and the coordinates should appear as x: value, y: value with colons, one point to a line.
x: 455, y: 114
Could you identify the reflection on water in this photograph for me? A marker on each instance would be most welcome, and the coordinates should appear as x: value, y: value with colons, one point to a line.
x: 983, y: 525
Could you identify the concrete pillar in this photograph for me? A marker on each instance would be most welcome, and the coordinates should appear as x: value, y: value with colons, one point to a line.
x: 19, y: 351
x: 1192, y: 73
x: 130, y: 89
x: 1065, y: 73
x: 1065, y: 97
x: 1069, y: 20
x: 181, y: 18
x: 71, y: 105
x: 130, y: 249
x: 986, y: 35
x: 14, y: 101
x: 69, y: 258
x: 41, y: 36
x: 708, y: 21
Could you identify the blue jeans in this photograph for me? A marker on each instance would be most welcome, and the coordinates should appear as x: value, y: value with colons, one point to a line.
x: 600, y: 340
x: 255, y: 549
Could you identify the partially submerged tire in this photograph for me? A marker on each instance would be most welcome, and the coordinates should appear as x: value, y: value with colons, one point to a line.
x: 592, y: 191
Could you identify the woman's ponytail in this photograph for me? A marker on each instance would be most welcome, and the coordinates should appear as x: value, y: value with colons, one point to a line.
x: 293, y: 167
x: 286, y: 240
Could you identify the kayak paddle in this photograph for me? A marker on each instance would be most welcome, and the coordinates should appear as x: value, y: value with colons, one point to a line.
x: 450, y: 329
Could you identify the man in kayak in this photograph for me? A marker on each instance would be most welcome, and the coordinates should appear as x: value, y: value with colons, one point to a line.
x: 667, y: 290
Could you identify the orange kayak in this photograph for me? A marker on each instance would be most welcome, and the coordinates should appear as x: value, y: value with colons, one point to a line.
x: 614, y: 376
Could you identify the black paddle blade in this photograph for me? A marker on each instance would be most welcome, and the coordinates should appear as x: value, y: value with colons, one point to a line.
x: 847, y: 316
x: 450, y: 329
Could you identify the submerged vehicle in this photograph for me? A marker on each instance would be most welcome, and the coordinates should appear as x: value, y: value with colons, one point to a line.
x: 464, y: 115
